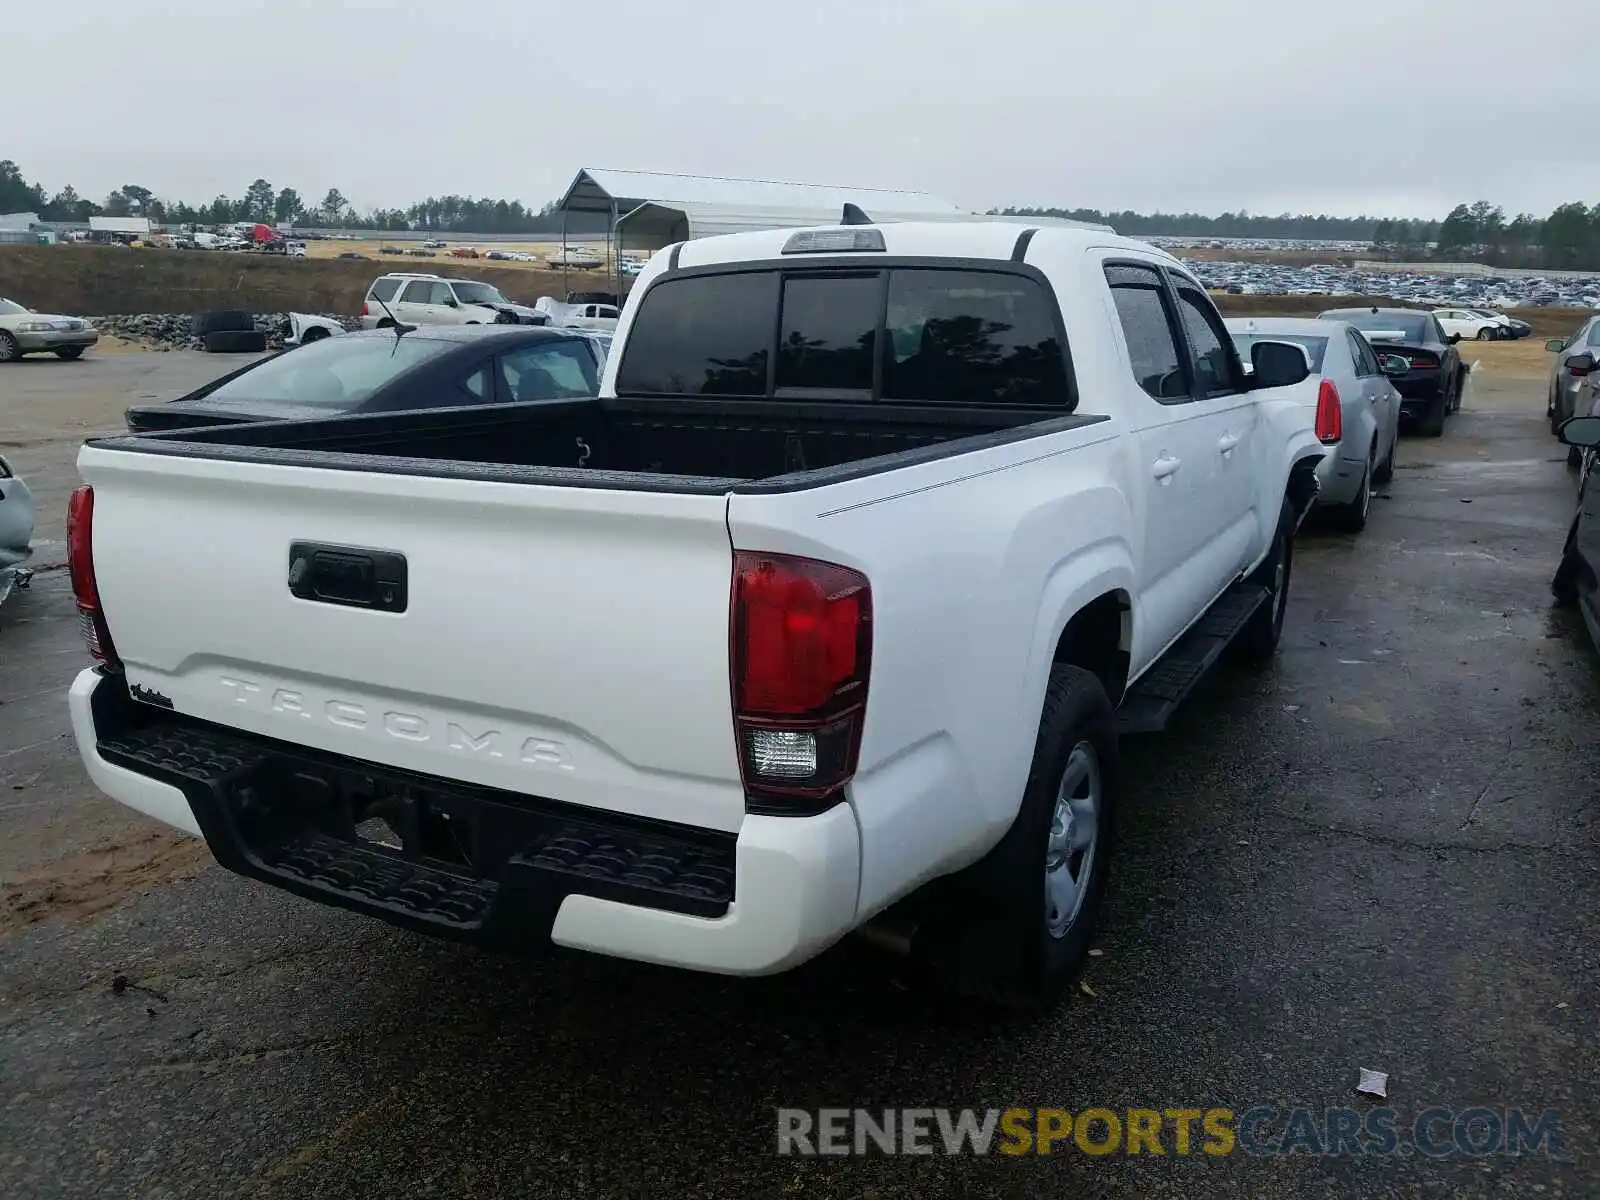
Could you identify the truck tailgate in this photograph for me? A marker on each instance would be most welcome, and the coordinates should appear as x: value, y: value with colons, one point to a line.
x: 570, y: 643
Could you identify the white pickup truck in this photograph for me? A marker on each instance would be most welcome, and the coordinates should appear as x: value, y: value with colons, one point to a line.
x: 838, y: 597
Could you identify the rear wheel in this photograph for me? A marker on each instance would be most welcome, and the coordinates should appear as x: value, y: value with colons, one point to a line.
x: 1385, y: 470
x: 1433, y: 422
x: 1015, y: 927
x: 1258, y: 640
x: 1352, y: 517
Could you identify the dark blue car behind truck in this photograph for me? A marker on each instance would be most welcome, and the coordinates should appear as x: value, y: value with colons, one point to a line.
x: 435, y: 366
x: 1431, y: 390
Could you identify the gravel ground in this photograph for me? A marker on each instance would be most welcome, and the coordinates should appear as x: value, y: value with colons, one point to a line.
x: 1384, y: 852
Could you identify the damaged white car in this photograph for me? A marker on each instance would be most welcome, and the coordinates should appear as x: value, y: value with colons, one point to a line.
x: 305, y: 328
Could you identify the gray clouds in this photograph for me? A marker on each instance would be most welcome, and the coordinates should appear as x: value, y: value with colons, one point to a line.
x: 1383, y: 108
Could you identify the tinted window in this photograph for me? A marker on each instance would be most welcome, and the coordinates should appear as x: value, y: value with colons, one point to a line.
x: 550, y: 371
x: 476, y: 384
x: 1594, y: 334
x: 1366, y: 360
x: 972, y: 337
x: 1147, y: 328
x: 1208, y: 343
x: 704, y: 336
x: 384, y: 289
x: 335, y: 373
x: 827, y: 335
x: 1413, y: 326
x: 478, y: 293
x: 439, y: 293
x: 418, y: 291
x: 1316, y: 348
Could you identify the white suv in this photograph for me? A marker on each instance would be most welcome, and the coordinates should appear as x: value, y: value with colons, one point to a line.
x: 437, y: 300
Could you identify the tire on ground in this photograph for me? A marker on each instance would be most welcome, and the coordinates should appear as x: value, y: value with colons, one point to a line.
x: 232, y: 341
x: 990, y: 931
x: 223, y: 321
x: 1258, y: 640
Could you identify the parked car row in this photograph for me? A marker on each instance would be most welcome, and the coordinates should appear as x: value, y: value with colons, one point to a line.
x: 1478, y: 292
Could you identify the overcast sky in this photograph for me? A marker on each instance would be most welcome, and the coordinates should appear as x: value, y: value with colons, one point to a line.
x: 1382, y: 107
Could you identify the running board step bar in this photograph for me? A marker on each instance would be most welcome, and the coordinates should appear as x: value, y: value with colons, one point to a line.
x: 1150, y: 703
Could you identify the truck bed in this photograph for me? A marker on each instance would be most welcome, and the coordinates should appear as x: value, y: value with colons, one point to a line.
x: 649, y: 444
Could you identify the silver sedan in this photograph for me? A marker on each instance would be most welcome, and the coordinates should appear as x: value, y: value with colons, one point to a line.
x: 1362, y: 452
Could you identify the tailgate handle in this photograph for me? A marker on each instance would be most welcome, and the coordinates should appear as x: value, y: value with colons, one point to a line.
x: 348, y: 575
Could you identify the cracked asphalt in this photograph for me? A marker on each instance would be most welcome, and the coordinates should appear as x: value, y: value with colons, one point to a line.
x: 1383, y: 852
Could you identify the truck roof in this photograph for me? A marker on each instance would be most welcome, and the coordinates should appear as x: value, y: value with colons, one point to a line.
x: 988, y: 239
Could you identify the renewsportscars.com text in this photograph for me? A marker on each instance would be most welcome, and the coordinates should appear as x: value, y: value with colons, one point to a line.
x: 1259, y: 1130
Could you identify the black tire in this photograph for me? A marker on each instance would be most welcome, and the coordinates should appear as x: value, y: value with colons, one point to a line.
x: 225, y: 321
x: 1433, y: 424
x: 1352, y: 517
x: 315, y: 334
x: 1564, y: 587
x: 9, y: 350
x: 996, y: 939
x: 235, y: 342
x: 1258, y: 640
x: 1486, y: 334
x: 69, y: 352
x: 1384, y: 471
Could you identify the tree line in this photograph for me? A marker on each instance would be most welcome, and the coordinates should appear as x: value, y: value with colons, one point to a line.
x: 260, y: 201
x: 1567, y: 239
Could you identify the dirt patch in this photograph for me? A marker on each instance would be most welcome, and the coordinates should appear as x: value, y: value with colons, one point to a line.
x: 94, y: 281
x: 94, y: 880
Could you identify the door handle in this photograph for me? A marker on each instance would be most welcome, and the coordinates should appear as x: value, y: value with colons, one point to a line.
x: 1165, y: 467
x: 1227, y: 442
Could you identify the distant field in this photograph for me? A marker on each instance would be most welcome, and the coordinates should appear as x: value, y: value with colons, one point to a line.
x: 94, y: 281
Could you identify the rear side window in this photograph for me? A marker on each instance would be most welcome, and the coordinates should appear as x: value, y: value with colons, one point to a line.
x: 908, y: 335
x: 1208, y: 343
x: 384, y: 289
x: 708, y: 335
x: 969, y: 337
x: 830, y: 326
x: 550, y: 371
x: 418, y: 291
x: 1147, y: 326
x: 1594, y: 334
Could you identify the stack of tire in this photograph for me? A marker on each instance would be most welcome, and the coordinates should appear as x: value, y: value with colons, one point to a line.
x: 229, y: 332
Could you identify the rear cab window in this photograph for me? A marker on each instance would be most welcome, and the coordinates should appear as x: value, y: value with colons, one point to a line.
x: 886, y: 333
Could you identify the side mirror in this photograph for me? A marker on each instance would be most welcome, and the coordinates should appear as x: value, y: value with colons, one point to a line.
x: 1454, y: 338
x: 1393, y: 365
x: 1277, y: 364
x: 1579, y: 364
x: 1555, y: 345
x: 1583, y: 432
x: 451, y: 303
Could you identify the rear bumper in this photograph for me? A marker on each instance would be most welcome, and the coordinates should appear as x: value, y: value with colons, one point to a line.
x: 473, y: 864
x: 1338, y: 477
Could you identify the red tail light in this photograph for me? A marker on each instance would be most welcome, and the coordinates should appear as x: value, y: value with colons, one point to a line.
x: 802, y: 649
x: 366, y: 311
x: 1420, y: 360
x: 1330, y: 414
x: 80, y: 565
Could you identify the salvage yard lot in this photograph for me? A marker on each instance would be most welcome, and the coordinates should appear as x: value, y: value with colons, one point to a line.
x: 1381, y: 853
